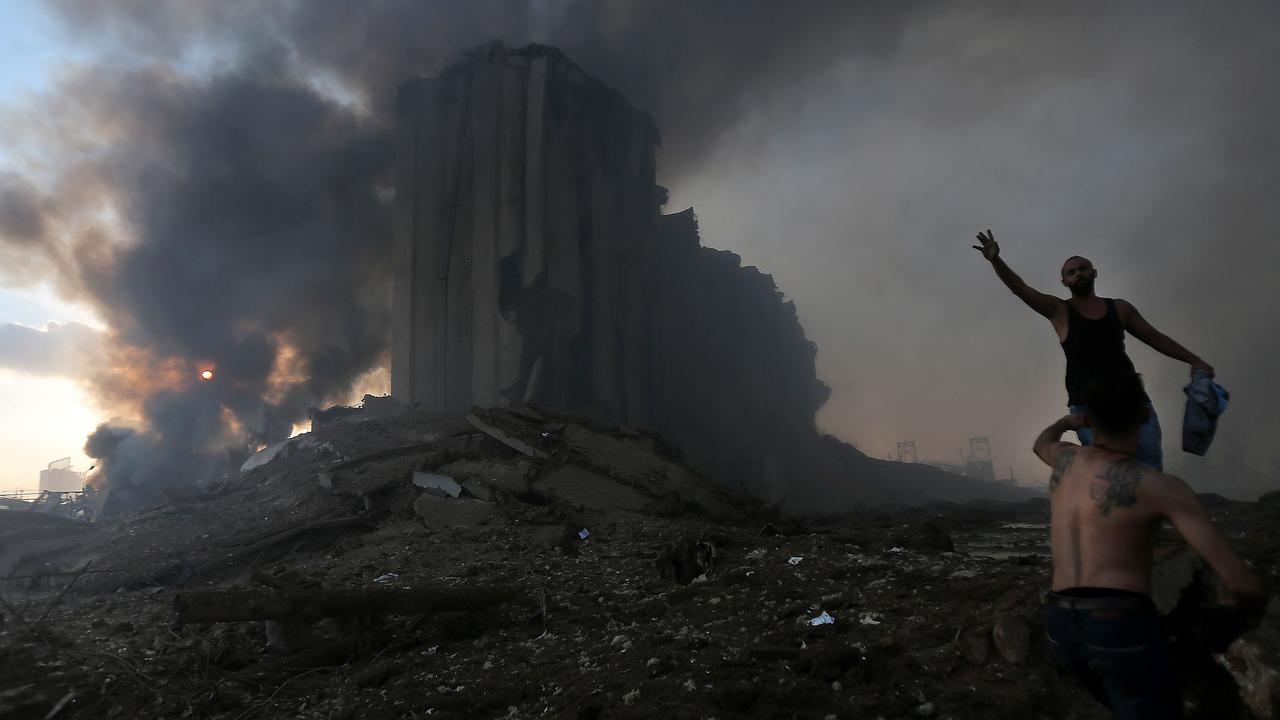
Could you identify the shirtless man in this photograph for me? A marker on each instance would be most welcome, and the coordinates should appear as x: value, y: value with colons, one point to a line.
x: 1105, y: 506
x: 1091, y: 330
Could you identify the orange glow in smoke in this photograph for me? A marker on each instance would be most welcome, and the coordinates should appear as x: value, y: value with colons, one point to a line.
x: 206, y: 374
x: 289, y: 369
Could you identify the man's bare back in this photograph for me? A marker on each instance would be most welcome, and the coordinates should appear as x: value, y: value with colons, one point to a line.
x: 1105, y: 508
x: 1103, y: 516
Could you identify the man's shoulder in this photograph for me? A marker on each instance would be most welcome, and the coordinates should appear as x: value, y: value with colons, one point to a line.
x: 1146, y: 481
x: 1124, y: 307
x: 1100, y: 463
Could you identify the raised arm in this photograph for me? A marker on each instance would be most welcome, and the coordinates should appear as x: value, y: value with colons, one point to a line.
x: 1179, y: 503
x: 1055, y: 453
x: 1046, y: 305
x: 1137, y: 326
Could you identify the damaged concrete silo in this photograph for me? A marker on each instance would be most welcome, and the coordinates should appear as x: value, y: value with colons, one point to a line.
x: 521, y: 242
x: 534, y: 264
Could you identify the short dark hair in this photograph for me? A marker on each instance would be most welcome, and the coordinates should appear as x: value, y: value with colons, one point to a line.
x: 1116, y: 402
x: 1074, y: 257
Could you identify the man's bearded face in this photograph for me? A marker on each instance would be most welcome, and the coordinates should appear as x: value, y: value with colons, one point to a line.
x: 1078, y: 275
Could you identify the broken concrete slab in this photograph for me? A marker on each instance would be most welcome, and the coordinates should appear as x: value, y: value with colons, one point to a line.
x: 377, y: 471
x: 437, y: 484
x: 263, y: 456
x: 629, y: 458
x: 501, y: 475
x: 639, y: 460
x: 505, y: 438
x: 579, y: 486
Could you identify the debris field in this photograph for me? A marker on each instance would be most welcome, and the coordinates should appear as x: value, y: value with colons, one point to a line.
x: 517, y: 564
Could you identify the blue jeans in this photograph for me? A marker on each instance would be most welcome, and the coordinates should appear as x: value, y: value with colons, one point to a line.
x: 1149, y: 451
x: 1121, y: 657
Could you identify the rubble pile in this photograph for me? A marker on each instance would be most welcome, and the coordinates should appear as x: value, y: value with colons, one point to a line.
x: 515, y: 563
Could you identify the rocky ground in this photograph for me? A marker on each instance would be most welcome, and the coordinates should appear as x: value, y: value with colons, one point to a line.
x: 530, y: 566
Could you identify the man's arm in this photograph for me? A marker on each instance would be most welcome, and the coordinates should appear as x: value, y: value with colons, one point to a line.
x: 1050, y: 448
x: 1137, y: 326
x: 1180, y: 504
x: 1046, y: 305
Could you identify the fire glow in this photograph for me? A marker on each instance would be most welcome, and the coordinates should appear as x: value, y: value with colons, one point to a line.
x: 206, y: 375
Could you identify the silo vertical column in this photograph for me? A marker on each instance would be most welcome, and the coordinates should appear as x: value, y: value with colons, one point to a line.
x: 484, y: 233
x: 511, y: 210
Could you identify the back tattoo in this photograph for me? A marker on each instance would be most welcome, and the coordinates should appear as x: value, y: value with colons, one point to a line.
x: 1061, y: 467
x: 1116, y: 485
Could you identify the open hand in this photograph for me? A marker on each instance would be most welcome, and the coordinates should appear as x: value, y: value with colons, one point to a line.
x: 989, y: 248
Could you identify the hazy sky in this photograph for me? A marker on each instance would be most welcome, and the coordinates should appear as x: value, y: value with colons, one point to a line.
x: 851, y: 150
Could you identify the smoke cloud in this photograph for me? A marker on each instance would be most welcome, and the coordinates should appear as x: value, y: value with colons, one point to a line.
x: 215, y: 180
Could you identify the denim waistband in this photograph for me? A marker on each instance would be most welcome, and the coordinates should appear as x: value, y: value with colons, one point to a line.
x: 1091, y: 598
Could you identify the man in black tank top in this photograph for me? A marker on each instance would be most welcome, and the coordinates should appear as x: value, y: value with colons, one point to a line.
x: 1091, y: 330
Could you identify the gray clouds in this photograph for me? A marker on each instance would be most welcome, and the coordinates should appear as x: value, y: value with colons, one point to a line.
x: 67, y: 349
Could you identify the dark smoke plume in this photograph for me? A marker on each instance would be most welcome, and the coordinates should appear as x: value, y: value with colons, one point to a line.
x: 251, y: 234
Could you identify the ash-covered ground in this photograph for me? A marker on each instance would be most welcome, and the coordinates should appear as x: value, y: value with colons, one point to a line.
x: 515, y: 564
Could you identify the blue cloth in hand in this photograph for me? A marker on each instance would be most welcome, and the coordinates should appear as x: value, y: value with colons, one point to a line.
x: 1206, y: 401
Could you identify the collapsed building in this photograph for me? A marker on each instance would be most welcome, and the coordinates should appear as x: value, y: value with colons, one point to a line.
x: 534, y: 264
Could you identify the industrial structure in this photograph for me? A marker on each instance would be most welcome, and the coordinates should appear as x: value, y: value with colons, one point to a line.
x: 976, y: 464
x: 60, y: 478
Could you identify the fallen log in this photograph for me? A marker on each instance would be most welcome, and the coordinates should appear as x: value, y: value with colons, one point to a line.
x: 310, y: 605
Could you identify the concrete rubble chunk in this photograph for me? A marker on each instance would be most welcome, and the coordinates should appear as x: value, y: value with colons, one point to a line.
x: 497, y: 475
x: 1011, y: 636
x: 685, y: 559
x: 1254, y: 663
x: 438, y: 484
x: 263, y: 456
